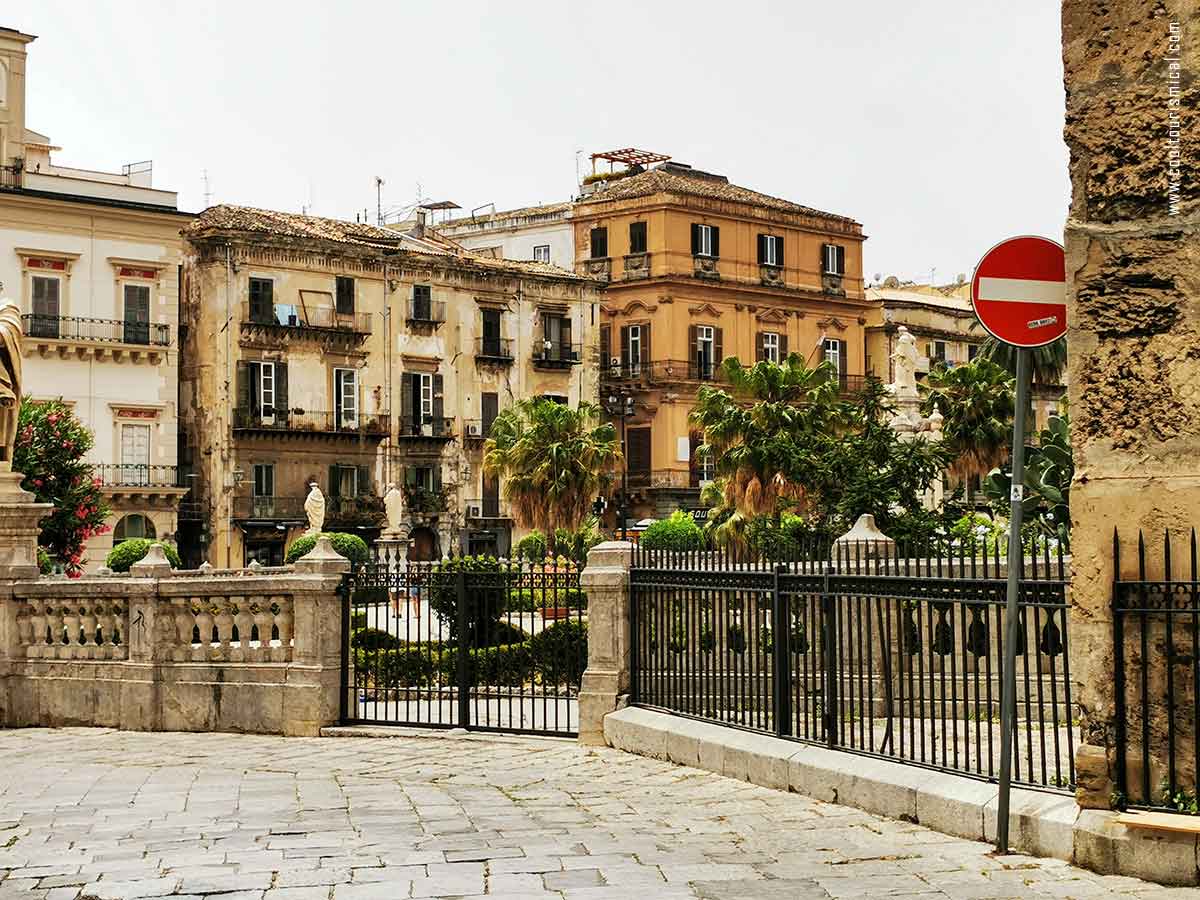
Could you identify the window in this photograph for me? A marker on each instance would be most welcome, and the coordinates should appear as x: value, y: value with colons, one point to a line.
x: 490, y: 345
x: 287, y: 314
x: 345, y: 397
x: 262, y: 393
x: 266, y: 390
x: 347, y: 481
x: 264, y: 480
x: 135, y: 454
x: 706, y: 240
x: 46, y: 308
x: 422, y: 302
x: 704, y: 350
x: 491, y: 497
x: 421, y: 402
x: 556, y: 338
x: 703, y: 466
x: 489, y: 408
x: 833, y: 259
x: 770, y: 250
x: 599, y: 243
x: 345, y: 295
x: 770, y: 346
x: 637, y: 237
x: 137, y: 313
x: 972, y: 351
x: 936, y: 351
x: 637, y: 450
x: 262, y: 300
x: 541, y: 253
x: 133, y: 526
x: 833, y: 353
x: 635, y: 349
x: 425, y: 478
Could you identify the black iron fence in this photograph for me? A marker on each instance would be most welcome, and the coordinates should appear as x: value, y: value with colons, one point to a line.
x: 470, y: 642
x: 1156, y: 665
x: 867, y: 648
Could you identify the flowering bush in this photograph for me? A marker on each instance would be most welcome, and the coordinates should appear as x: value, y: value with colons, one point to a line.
x: 50, y: 447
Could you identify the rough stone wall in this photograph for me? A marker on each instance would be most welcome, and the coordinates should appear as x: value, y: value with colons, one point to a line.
x: 1134, y: 294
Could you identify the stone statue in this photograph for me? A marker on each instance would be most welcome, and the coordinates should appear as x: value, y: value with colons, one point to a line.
x: 10, y: 379
x: 393, y: 506
x: 905, y: 357
x: 314, y: 508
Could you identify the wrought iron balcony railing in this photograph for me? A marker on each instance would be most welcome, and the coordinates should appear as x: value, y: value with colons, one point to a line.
x: 427, y: 427
x: 363, y: 509
x: 476, y: 429
x: 426, y: 312
x: 269, y: 508
x: 314, y: 318
x: 80, y: 328
x: 494, y: 349
x: 557, y: 355
x: 312, y: 422
x: 134, y: 475
x: 11, y: 178
x: 666, y: 371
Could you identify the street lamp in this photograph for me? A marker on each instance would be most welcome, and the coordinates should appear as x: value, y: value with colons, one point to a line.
x: 620, y: 405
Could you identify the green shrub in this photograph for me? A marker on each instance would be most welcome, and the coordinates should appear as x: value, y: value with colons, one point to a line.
x: 358, y: 621
x: 45, y: 563
x: 537, y: 599
x: 510, y: 665
x: 507, y: 633
x: 559, y: 653
x: 350, y: 546
x: 409, y: 665
x: 486, y: 596
x: 531, y: 547
x: 677, y: 532
x: 574, y: 543
x: 374, y: 639
x: 126, y: 553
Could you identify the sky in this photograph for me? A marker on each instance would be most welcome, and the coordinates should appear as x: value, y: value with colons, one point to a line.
x: 937, y: 124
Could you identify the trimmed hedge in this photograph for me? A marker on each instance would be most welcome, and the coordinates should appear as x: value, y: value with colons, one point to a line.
x: 554, y: 657
x: 531, y: 547
x: 374, y: 639
x: 126, y: 553
x: 537, y: 599
x: 678, y: 532
x: 350, y: 546
x: 358, y: 621
x: 486, y: 597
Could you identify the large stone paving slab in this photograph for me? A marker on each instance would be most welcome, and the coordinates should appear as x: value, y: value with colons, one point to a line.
x: 113, y: 815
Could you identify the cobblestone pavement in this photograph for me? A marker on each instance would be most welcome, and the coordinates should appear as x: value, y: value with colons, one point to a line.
x: 94, y: 813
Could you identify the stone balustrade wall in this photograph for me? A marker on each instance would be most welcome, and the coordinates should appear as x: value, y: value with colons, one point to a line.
x: 251, y: 650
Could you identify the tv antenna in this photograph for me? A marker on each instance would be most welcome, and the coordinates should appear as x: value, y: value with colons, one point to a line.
x: 207, y: 190
x: 378, y: 200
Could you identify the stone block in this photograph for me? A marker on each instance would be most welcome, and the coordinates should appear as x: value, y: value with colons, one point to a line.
x: 875, y: 785
x: 1093, y: 786
x: 1104, y: 846
x: 637, y: 731
x: 1039, y: 823
x: 954, y: 805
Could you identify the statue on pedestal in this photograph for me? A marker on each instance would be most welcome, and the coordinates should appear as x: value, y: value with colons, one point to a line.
x: 393, y: 507
x: 10, y: 379
x: 314, y: 508
x: 904, y: 387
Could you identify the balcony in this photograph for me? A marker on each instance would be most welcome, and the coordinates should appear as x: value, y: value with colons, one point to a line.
x: 598, y: 267
x: 140, y: 485
x: 487, y: 509
x: 665, y: 479
x: 496, y: 351
x: 269, y: 509
x: 85, y: 337
x: 440, y: 428
x: 771, y: 276
x: 637, y: 266
x: 286, y: 323
x: 424, y: 313
x: 421, y: 502
x: 706, y: 267
x: 299, y: 423
x: 556, y: 355
x: 10, y: 178
x: 362, y: 511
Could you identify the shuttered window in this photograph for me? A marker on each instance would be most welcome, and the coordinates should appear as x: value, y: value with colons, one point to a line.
x: 833, y: 259
x: 345, y: 295
x: 262, y: 303
x: 599, y: 243
x: 770, y: 250
x: 706, y: 240
x: 637, y: 449
x: 637, y: 237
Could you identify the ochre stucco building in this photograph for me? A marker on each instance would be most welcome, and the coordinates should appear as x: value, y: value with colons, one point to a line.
x: 700, y: 269
x: 355, y: 356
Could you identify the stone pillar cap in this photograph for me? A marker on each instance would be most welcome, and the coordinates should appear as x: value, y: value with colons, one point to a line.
x: 153, y: 565
x: 322, y: 559
x: 865, y: 531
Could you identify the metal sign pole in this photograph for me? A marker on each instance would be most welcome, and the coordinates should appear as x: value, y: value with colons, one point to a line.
x: 1016, y: 567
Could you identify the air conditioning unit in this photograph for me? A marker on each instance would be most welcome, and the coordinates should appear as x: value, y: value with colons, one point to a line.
x: 615, y: 364
x: 473, y: 512
x: 474, y: 429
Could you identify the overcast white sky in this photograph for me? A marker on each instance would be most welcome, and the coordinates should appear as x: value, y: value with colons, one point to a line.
x: 935, y: 123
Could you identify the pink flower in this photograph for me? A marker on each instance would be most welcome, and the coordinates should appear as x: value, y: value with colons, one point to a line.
x: 52, y: 418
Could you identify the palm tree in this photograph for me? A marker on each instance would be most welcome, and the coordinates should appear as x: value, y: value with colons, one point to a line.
x: 553, y: 460
x: 763, y: 431
x: 976, y: 401
x: 1046, y: 364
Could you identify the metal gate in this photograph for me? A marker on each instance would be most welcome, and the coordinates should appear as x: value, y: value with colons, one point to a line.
x: 468, y: 642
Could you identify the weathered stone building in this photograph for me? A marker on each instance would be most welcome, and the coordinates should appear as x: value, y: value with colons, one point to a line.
x: 352, y: 356
x: 1133, y: 288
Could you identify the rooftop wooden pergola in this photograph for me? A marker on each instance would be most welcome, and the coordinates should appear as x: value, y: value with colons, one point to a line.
x: 630, y: 156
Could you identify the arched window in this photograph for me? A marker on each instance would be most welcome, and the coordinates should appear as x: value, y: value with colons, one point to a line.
x: 133, y: 526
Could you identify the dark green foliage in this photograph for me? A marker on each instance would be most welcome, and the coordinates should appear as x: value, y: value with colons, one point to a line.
x: 126, y: 553
x: 374, y: 639
x: 678, y: 532
x: 560, y: 652
x: 537, y: 599
x: 507, y: 633
x: 350, y: 546
x: 531, y: 547
x: 486, y: 596
x: 1049, y: 469
x: 358, y: 621
x: 369, y: 596
x: 45, y: 563
x: 574, y: 543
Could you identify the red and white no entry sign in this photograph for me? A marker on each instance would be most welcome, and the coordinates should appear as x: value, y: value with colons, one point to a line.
x: 1019, y: 291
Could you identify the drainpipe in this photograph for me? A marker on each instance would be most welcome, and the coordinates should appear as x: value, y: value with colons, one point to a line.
x: 387, y: 362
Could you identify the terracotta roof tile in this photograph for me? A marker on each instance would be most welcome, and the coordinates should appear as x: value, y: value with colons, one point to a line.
x: 545, y: 209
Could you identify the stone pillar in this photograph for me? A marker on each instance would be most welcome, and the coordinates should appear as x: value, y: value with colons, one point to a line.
x: 606, y: 682
x: 1133, y: 292
x: 312, y: 700
x: 20, y: 518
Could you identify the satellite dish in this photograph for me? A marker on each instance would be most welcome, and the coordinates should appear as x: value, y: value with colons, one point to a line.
x: 878, y: 275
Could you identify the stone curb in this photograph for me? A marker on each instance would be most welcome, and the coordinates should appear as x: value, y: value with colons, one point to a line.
x: 1040, y: 824
x: 435, y: 734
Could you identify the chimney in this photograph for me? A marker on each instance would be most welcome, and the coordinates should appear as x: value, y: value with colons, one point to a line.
x: 419, y: 230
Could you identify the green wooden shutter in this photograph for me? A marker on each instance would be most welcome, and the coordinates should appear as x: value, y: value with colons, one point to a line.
x: 760, y: 352
x: 364, y: 481
x: 716, y: 242
x: 334, y: 488
x: 783, y: 347
x: 762, y: 249
x: 695, y: 239
x: 646, y: 343
x: 625, y: 346
x: 439, y: 405
x: 718, y: 346
x: 605, y: 344
x: 281, y: 389
x: 841, y: 260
